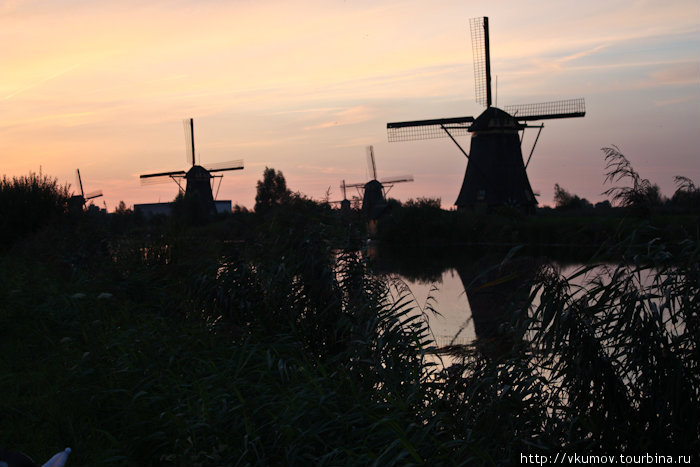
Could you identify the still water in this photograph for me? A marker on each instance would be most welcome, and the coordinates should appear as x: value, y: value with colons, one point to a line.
x: 452, y: 324
x: 437, y: 283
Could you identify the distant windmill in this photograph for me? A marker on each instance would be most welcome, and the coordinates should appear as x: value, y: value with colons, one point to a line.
x: 345, y: 203
x: 496, y: 174
x: 375, y: 191
x: 198, y: 178
x: 77, y: 202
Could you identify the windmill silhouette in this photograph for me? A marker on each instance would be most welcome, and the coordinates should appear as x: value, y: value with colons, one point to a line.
x: 345, y: 203
x: 77, y: 202
x: 375, y: 191
x: 198, y: 179
x: 496, y: 174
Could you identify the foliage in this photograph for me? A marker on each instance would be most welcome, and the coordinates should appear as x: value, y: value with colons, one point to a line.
x: 28, y: 203
x: 271, y: 190
x: 423, y: 203
x: 564, y: 200
x: 641, y: 194
x: 121, y: 209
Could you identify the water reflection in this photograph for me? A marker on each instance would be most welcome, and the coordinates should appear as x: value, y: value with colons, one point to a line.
x: 472, y: 295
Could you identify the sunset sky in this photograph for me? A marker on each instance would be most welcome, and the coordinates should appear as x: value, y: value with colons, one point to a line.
x: 305, y: 86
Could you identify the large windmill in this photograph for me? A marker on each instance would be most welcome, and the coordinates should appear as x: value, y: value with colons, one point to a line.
x: 77, y: 202
x: 496, y: 174
x: 375, y: 191
x: 198, y: 179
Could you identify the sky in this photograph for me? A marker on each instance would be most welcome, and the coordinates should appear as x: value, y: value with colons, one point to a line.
x: 305, y: 86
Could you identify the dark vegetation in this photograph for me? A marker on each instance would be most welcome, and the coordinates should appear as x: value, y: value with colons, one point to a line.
x: 266, y: 338
x: 574, y: 225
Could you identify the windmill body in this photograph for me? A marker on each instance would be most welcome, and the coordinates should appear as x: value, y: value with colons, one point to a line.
x: 373, y: 200
x: 198, y: 179
x: 496, y: 171
x: 198, y: 183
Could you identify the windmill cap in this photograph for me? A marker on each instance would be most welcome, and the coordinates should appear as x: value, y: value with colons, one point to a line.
x: 198, y: 172
x: 494, y: 118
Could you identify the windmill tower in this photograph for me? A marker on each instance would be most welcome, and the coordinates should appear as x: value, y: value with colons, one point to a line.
x: 375, y: 191
x: 198, y: 179
x: 496, y: 174
x: 77, y: 202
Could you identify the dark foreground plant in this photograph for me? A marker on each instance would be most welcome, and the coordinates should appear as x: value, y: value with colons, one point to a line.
x: 621, y: 352
x: 641, y: 194
x: 608, y: 362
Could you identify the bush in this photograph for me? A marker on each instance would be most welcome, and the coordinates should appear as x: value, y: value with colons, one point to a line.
x: 27, y: 203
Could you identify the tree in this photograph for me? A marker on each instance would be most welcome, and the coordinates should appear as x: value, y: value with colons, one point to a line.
x: 423, y: 202
x: 121, y: 209
x: 565, y: 200
x: 271, y: 190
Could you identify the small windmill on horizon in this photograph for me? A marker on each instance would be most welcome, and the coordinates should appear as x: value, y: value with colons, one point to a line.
x: 198, y: 179
x: 77, y: 202
x: 496, y: 174
x: 375, y: 191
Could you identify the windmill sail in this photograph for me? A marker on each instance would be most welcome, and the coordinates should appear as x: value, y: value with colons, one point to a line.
x: 548, y: 110
x: 371, y: 164
x: 162, y: 177
x: 223, y: 166
x: 401, y: 179
x: 482, y: 60
x: 92, y: 195
x: 188, y: 125
x: 428, y: 129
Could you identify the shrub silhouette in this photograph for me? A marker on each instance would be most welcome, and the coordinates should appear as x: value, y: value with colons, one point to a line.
x: 29, y: 202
